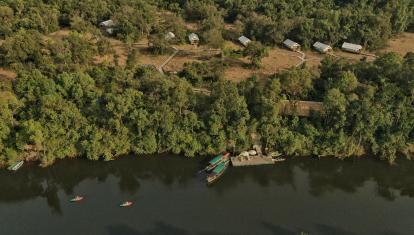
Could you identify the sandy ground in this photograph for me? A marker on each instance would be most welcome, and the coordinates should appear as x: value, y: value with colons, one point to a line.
x: 7, y: 74
x: 188, y: 53
x: 4, y: 73
x: 121, y: 50
x: 279, y: 59
x: 401, y: 45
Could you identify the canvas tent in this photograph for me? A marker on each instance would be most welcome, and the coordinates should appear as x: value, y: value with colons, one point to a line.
x: 354, y: 48
x: 291, y: 45
x: 169, y: 36
x: 321, y: 47
x: 193, y: 38
x: 107, y: 24
x: 244, y: 41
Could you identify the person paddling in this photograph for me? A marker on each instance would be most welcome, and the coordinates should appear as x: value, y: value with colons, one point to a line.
x: 126, y: 204
x: 77, y: 199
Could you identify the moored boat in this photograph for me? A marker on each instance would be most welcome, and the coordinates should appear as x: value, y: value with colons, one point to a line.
x: 16, y: 166
x: 217, y: 172
x: 76, y: 199
x: 216, y: 161
x: 278, y: 159
x: 126, y: 204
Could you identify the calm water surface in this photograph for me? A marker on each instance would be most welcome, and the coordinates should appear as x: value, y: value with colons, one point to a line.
x: 357, y: 196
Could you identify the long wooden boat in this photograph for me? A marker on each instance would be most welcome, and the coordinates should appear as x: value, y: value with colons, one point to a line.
x: 216, y: 161
x: 217, y: 172
x: 278, y: 159
x: 15, y: 166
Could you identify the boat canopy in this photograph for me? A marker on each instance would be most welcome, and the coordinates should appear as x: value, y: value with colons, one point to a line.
x: 15, y: 166
x: 219, y: 168
x: 216, y: 159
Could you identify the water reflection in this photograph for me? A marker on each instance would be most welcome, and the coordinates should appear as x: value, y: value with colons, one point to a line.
x: 323, y: 176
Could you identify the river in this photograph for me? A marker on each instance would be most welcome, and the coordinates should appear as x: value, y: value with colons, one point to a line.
x: 326, y: 196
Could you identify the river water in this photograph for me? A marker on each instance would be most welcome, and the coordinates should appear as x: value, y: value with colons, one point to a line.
x: 326, y: 196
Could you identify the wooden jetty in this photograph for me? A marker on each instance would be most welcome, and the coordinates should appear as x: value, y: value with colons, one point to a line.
x: 251, y: 160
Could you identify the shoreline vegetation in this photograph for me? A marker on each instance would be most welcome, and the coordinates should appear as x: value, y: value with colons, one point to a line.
x: 63, y: 103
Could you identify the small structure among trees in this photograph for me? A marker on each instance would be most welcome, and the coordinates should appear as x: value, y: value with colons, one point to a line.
x: 169, y: 36
x: 244, y: 41
x: 194, y: 39
x: 291, y: 45
x: 108, y: 26
x: 353, y: 48
x: 322, y: 48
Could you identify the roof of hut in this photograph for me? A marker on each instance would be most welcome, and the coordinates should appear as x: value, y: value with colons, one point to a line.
x: 291, y: 44
x: 107, y: 23
x: 350, y: 46
x: 321, y: 46
x: 193, y: 36
x: 244, y: 40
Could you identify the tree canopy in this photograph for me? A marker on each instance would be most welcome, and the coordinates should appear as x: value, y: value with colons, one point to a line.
x: 64, y: 104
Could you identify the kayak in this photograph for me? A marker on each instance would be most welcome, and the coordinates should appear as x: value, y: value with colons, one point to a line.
x: 126, y: 204
x: 76, y: 199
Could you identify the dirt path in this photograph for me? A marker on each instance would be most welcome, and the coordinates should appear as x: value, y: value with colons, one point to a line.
x: 7, y: 74
x: 401, y: 45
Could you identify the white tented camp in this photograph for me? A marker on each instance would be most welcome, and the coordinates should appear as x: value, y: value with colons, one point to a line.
x: 291, y: 45
x: 169, y: 36
x: 354, y: 48
x: 244, y: 41
x: 193, y: 38
x: 322, y: 48
x: 107, y: 24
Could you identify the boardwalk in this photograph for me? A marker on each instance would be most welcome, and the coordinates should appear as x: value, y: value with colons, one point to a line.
x: 300, y: 108
x: 251, y: 161
x: 161, y: 68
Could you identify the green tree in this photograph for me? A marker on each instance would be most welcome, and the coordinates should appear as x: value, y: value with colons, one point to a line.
x: 297, y: 82
x: 158, y: 44
x: 256, y: 52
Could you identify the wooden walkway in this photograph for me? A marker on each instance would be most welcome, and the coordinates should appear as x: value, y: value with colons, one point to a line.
x: 161, y: 67
x: 300, y: 108
x: 251, y: 161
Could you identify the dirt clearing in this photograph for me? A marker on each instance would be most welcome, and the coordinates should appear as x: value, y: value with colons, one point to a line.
x: 7, y: 74
x: 401, y: 45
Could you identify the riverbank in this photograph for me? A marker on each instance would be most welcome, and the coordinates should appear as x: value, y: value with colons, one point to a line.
x: 33, y: 161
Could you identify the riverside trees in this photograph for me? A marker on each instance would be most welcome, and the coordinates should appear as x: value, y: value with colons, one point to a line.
x: 62, y: 104
x: 71, y: 107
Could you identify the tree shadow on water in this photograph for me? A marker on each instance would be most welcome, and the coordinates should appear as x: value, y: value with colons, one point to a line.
x: 274, y: 229
x: 160, y: 228
x: 330, y: 230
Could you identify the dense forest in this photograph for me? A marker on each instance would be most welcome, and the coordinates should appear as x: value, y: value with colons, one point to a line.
x: 63, y: 104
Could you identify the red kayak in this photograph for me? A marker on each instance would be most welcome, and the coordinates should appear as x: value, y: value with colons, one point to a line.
x: 126, y: 204
x: 76, y: 199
